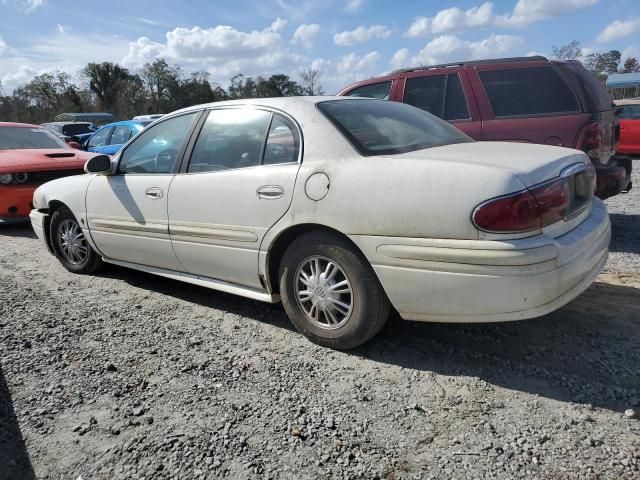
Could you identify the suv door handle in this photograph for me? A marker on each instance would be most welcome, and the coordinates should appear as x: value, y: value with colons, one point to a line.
x: 154, y: 193
x: 270, y: 192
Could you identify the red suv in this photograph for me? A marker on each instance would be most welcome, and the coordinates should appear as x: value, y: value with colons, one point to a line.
x: 529, y: 99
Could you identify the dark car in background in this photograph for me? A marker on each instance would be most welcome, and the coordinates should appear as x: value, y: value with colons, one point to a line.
x: 70, y: 132
x: 526, y: 99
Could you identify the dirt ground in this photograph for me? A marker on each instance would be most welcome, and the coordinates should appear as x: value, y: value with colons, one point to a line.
x: 126, y: 375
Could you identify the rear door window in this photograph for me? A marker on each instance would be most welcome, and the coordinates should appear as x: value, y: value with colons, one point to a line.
x: 381, y: 91
x: 528, y: 91
x: 120, y: 135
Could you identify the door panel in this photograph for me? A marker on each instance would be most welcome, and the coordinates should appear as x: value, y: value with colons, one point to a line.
x: 218, y: 219
x: 629, y: 136
x: 127, y: 217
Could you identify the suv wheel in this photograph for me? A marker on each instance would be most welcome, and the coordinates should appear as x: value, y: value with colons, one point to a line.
x: 330, y: 292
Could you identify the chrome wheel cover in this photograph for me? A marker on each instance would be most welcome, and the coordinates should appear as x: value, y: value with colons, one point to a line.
x: 73, y: 245
x: 323, y: 292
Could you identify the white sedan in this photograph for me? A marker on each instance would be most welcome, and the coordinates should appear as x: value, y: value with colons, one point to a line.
x: 341, y: 208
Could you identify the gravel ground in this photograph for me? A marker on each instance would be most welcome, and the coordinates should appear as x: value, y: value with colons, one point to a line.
x: 624, y: 211
x: 126, y: 375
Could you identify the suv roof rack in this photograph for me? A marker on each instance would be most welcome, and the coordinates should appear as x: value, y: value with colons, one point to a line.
x: 473, y: 62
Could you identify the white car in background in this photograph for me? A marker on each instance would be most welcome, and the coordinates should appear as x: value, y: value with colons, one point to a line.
x: 341, y: 208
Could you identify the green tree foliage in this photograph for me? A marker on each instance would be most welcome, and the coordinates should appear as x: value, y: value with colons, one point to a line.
x: 157, y: 88
x: 570, y: 51
x: 631, y: 65
x: 603, y: 64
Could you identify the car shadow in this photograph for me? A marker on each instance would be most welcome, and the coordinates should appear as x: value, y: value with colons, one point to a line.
x: 18, y: 230
x: 586, y: 352
x: 624, y: 238
x: 14, y: 458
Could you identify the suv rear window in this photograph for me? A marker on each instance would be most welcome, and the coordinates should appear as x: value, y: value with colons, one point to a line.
x: 384, y: 128
x: 528, y: 91
x: 375, y: 90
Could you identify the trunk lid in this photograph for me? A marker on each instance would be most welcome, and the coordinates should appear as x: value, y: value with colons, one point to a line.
x: 532, y: 164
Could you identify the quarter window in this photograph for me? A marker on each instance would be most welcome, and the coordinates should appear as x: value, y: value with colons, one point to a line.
x: 528, y: 91
x: 121, y: 134
x: 156, y: 150
x: 282, y: 142
x: 230, y: 138
x: 381, y: 91
x: 100, y: 138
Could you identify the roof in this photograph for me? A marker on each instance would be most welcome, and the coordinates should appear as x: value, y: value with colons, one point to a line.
x: 85, y: 116
x: 21, y: 125
x: 128, y: 123
x: 623, y: 80
x: 627, y: 101
x: 66, y: 123
x: 534, y: 58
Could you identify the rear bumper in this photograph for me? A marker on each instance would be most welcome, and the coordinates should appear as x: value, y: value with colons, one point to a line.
x: 613, y: 178
x: 489, y: 281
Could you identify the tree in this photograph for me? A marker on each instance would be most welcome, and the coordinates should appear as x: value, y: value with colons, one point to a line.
x: 279, y: 85
x: 631, y: 65
x: 106, y: 80
x: 571, y: 51
x: 602, y: 64
x: 160, y: 79
x: 310, y: 82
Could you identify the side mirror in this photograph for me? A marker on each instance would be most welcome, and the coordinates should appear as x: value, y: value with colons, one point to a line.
x: 100, y: 164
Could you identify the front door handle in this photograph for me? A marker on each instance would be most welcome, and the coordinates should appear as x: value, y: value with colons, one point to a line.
x: 154, y: 193
x: 270, y: 192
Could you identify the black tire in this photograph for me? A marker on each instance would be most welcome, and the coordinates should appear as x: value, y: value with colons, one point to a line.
x: 369, y: 305
x: 90, y: 262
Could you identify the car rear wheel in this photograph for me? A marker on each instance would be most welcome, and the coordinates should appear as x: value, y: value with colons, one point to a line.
x: 330, y: 292
x: 70, y: 244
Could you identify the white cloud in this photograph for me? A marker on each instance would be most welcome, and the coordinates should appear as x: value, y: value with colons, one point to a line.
x: 618, y: 29
x: 32, y: 5
x: 21, y: 75
x: 278, y: 25
x: 354, y: 65
x: 400, y: 58
x: 527, y: 12
x: 455, y: 19
x: 353, y: 5
x: 361, y: 35
x: 449, y: 48
x: 61, y: 29
x: 421, y: 27
x: 3, y: 46
x: 305, y: 35
x: 524, y: 13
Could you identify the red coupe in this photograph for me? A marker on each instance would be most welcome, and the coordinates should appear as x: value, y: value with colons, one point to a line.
x: 629, y: 126
x: 31, y: 155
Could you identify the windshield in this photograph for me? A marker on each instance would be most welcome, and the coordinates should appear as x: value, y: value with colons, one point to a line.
x: 17, y: 138
x: 379, y: 127
x: 77, y: 129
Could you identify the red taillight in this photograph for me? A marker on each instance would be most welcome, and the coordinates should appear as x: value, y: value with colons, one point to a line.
x: 513, y: 213
x: 538, y: 206
x: 592, y: 139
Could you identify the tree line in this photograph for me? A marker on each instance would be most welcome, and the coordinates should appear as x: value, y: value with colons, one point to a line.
x: 157, y: 88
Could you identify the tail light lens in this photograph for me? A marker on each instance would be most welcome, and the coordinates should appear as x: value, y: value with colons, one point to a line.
x: 540, y: 205
x: 592, y: 140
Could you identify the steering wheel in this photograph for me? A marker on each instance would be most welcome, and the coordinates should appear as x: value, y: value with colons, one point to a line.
x: 164, y: 159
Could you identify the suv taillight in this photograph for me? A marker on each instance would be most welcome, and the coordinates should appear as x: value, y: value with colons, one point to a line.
x: 540, y: 205
x: 592, y: 140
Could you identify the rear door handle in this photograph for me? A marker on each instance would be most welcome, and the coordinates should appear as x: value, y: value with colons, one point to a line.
x: 270, y: 192
x: 154, y: 193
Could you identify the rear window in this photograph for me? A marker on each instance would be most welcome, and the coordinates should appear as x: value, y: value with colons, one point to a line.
x: 630, y: 112
x: 76, y: 129
x: 383, y: 128
x: 591, y: 91
x: 17, y: 138
x: 381, y: 91
x: 528, y: 91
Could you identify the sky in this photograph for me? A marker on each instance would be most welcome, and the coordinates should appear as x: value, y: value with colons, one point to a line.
x: 345, y: 40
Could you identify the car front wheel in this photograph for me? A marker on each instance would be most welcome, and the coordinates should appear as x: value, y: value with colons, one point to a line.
x: 330, y: 292
x: 70, y: 244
